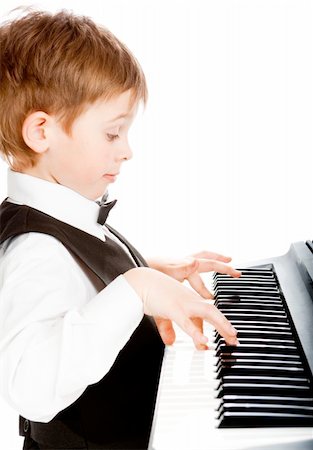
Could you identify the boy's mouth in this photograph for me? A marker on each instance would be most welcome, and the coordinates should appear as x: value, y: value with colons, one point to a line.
x: 111, y: 176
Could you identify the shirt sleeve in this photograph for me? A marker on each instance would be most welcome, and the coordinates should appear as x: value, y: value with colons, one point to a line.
x: 56, y: 338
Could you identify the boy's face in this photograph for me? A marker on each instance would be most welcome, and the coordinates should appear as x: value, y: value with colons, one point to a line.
x: 90, y: 159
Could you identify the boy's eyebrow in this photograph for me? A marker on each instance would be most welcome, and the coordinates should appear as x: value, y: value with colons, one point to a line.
x: 119, y: 117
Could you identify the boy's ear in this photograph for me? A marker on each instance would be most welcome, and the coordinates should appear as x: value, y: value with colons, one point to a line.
x: 33, y: 131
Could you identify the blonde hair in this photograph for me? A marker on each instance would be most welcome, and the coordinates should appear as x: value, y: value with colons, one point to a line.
x: 58, y: 63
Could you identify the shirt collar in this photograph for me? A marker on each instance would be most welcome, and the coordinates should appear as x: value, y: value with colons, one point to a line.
x: 55, y: 200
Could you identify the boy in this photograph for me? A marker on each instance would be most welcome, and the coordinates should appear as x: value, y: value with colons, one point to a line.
x: 83, y: 316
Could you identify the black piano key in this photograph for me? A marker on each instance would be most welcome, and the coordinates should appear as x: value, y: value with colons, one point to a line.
x: 251, y: 317
x: 261, y: 379
x: 255, y: 313
x: 248, y: 272
x: 249, y: 304
x: 252, y: 355
x: 227, y: 361
x: 245, y: 274
x: 217, y: 275
x: 224, y: 279
x: 254, y: 407
x: 256, y: 317
x: 262, y: 327
x: 248, y: 291
x: 257, y: 360
x: 248, y: 288
x: 248, y: 308
x: 257, y: 342
x: 263, y: 419
x: 270, y: 399
x: 265, y: 339
x: 241, y: 369
x: 256, y: 333
x: 230, y: 362
x: 233, y: 362
x: 262, y: 348
x: 250, y: 298
x: 273, y: 388
x: 267, y: 274
x: 248, y: 322
x: 237, y: 283
x: 252, y: 305
x: 282, y: 335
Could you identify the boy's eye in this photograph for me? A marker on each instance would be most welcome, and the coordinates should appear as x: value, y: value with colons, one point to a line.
x: 112, y: 137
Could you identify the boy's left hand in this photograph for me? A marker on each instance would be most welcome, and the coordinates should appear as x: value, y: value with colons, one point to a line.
x: 189, y: 268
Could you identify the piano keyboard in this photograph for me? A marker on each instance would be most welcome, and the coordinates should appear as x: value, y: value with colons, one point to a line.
x: 257, y: 395
x: 264, y: 381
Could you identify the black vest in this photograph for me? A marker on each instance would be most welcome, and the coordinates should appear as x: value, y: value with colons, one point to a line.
x: 117, y: 411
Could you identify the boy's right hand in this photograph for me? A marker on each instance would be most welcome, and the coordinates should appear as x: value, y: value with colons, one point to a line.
x: 165, y: 297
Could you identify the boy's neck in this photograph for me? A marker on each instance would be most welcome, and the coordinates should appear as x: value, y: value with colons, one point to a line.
x: 39, y: 172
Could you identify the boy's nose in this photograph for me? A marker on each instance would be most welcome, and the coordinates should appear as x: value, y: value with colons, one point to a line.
x: 126, y: 152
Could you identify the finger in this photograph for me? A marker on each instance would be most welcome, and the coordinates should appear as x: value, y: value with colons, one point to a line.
x: 216, y: 266
x: 184, y: 268
x: 177, y: 268
x: 211, y: 255
x: 166, y: 330
x: 199, y: 324
x: 202, y: 347
x: 212, y: 315
x: 198, y: 285
x: 187, y: 325
x: 198, y: 321
x: 222, y: 325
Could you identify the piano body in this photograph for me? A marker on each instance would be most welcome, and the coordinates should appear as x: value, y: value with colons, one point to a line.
x: 259, y: 395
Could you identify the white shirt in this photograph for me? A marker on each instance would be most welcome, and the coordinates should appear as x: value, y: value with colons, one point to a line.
x: 59, y: 330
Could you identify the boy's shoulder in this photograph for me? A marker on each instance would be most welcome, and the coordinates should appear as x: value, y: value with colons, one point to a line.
x: 32, y: 246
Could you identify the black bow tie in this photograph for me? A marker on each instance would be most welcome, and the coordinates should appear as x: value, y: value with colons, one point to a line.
x: 104, y: 210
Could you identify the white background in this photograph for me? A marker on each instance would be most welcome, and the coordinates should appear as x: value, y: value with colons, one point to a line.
x: 223, y: 152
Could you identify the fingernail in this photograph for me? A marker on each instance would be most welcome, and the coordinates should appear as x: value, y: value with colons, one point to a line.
x: 233, y: 330
x: 233, y: 341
